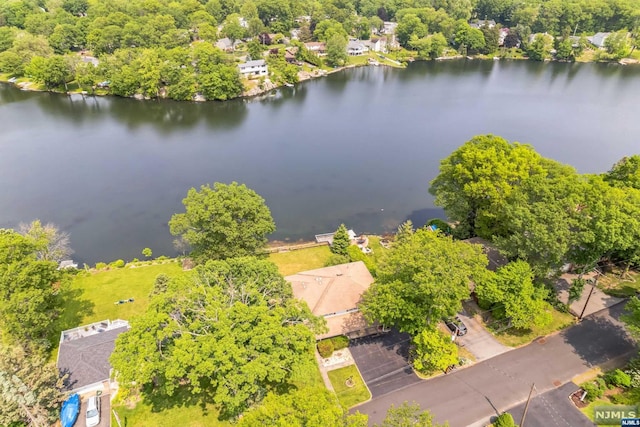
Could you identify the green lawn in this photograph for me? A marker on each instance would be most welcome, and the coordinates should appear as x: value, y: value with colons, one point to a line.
x: 587, y: 411
x: 300, y: 260
x: 349, y: 396
x: 615, y: 285
x: 91, y: 297
x: 144, y: 415
x: 517, y: 337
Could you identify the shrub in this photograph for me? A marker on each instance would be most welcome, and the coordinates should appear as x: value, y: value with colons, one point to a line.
x: 504, y: 420
x: 336, y: 260
x: 594, y: 389
x: 325, y: 348
x: 119, y: 263
x: 101, y: 265
x: 618, y: 378
x: 340, y: 342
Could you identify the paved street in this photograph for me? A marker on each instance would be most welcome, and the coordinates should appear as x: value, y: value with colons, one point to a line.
x: 472, y: 395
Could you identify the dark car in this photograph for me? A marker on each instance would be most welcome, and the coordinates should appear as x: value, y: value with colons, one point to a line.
x: 456, y: 325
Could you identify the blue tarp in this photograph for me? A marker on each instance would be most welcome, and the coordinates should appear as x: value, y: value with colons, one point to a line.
x: 70, y: 410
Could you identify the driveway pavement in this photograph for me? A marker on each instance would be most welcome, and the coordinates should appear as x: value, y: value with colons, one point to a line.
x: 478, y: 340
x: 105, y: 412
x: 473, y: 395
x: 552, y: 409
x: 383, y: 362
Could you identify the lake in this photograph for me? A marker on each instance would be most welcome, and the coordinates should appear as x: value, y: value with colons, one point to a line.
x: 358, y: 147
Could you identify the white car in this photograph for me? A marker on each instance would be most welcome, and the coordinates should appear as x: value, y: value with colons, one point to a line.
x: 93, y: 411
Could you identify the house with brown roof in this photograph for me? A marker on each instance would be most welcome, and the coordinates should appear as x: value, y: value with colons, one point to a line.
x: 319, y: 48
x: 334, y: 293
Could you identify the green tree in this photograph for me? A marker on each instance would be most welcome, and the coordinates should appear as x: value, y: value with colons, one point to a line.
x: 28, y: 301
x: 410, y: 26
x: 491, y: 38
x: 632, y: 316
x: 255, y: 49
x: 408, y: 415
x: 328, y: 28
x: 617, y: 45
x: 540, y: 48
x: 229, y: 332
x: 341, y: 241
x: 147, y: 252
x: 421, y: 280
x: 306, y: 407
x: 468, y: 39
x: 30, y: 388
x: 223, y: 222
x: 405, y: 231
x: 504, y: 420
x: 337, y: 51
x: 7, y: 35
x: 475, y: 180
x: 564, y: 49
x: 232, y: 28
x: 434, y: 351
x: 625, y: 173
x: 513, y: 295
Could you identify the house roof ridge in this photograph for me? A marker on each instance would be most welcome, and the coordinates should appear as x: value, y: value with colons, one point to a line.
x: 323, y: 295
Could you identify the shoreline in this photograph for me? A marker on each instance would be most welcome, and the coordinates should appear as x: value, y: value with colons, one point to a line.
x: 30, y: 86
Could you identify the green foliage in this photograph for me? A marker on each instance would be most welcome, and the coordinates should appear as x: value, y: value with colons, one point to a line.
x: 28, y: 290
x: 337, y: 260
x: 422, y: 279
x: 356, y: 254
x: 595, y: 389
x: 617, y: 378
x: 469, y: 39
x: 632, y: 316
x: 540, y: 48
x: 410, y: 26
x: 30, y: 388
x: 434, y: 351
x: 408, y: 414
x: 119, y: 263
x: 576, y: 288
x: 504, y: 420
x: 224, y: 221
x: 337, y: 50
x: 230, y: 332
x: 51, y: 244
x: 617, y: 46
x: 309, y: 407
x: 325, y: 348
x: 341, y: 241
x: 281, y: 71
x: 564, y: 49
x: 101, y: 265
x: 147, y: 252
x: 513, y: 295
x: 340, y: 342
x: 625, y: 173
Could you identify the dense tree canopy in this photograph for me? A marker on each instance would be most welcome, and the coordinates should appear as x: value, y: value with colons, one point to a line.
x: 229, y: 332
x: 28, y: 301
x: 408, y: 415
x: 51, y: 243
x: 228, y: 220
x: 423, y: 278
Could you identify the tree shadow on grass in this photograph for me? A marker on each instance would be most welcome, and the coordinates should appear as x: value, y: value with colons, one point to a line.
x: 74, y: 308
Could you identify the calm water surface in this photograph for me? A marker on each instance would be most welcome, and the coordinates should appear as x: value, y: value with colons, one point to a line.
x: 358, y: 147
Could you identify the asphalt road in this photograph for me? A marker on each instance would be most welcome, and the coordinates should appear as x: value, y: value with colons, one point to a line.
x: 473, y: 395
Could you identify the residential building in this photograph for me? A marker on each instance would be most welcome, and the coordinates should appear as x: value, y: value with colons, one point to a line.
x: 227, y: 45
x: 598, y: 39
x: 377, y: 44
x: 319, y: 48
x: 254, y: 68
x: 483, y: 23
x: 334, y: 293
x: 356, y: 47
x: 84, y: 355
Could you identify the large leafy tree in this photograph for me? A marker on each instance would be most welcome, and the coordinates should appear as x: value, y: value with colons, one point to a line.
x: 28, y: 300
x: 625, y: 173
x: 224, y: 221
x: 434, y: 351
x: 511, y: 293
x: 30, y: 388
x: 230, y: 332
x: 306, y: 407
x: 421, y: 279
x: 476, y: 179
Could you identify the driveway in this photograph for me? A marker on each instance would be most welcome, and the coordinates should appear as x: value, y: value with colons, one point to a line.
x: 105, y: 411
x: 478, y: 340
x: 383, y: 362
x: 473, y: 395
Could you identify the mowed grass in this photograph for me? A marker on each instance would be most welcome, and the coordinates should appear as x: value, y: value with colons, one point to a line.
x: 300, y: 260
x: 349, y: 396
x: 518, y: 337
x: 94, y: 294
x: 587, y: 411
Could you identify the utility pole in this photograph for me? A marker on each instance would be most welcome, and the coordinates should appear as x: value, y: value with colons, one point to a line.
x: 526, y: 407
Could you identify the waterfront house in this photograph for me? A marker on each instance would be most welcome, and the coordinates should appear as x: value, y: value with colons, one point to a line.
x: 483, y: 23
x: 598, y: 39
x: 377, y: 44
x: 227, y: 45
x: 356, y: 47
x: 84, y: 355
x: 319, y: 48
x: 254, y: 68
x: 389, y: 27
x: 334, y: 293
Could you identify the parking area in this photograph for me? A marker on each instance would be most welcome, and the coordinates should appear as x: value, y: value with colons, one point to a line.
x: 478, y: 340
x: 383, y: 362
x: 105, y: 412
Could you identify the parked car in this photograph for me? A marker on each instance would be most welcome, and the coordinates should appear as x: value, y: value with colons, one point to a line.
x: 455, y: 325
x: 93, y: 411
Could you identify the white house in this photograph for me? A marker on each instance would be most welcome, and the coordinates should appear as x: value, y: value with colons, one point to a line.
x: 377, y: 44
x: 254, y: 68
x: 389, y: 27
x: 356, y: 48
x: 483, y: 23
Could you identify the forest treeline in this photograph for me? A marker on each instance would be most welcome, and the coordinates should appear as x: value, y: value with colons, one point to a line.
x: 167, y: 47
